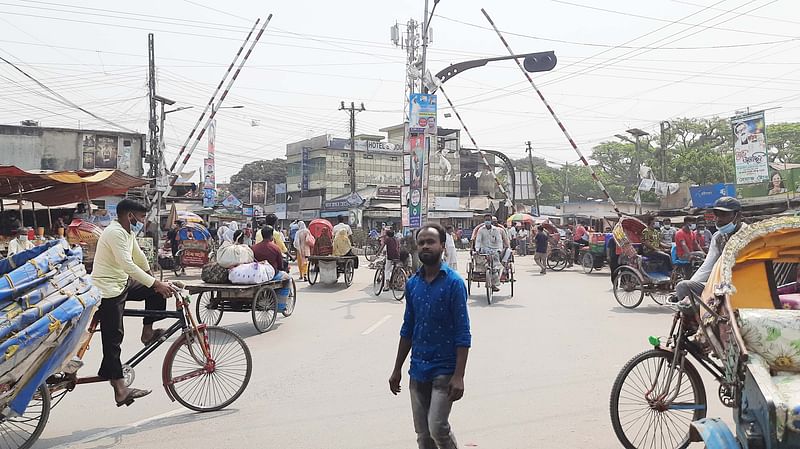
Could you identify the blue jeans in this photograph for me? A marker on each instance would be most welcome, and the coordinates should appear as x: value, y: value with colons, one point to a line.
x: 431, y: 409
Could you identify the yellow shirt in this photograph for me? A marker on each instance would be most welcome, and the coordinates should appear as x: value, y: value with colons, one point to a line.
x: 277, y: 237
x: 117, y: 258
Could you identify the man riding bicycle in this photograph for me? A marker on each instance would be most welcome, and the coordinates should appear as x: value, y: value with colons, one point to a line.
x: 121, y: 273
x: 489, y: 241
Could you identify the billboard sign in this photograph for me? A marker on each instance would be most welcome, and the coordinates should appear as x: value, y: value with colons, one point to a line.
x: 258, y: 192
x: 416, y: 146
x: 705, y: 196
x: 750, y: 148
x: 422, y: 113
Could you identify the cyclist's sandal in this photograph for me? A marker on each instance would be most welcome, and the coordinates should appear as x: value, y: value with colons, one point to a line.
x: 133, y: 393
x: 157, y: 333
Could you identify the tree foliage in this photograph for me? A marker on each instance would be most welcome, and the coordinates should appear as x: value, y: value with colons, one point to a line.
x: 697, y: 150
x: 273, y: 171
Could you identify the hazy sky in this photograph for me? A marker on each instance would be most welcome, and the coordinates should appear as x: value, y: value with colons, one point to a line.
x: 631, y: 64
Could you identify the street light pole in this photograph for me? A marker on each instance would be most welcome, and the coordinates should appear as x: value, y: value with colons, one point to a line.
x: 533, y: 175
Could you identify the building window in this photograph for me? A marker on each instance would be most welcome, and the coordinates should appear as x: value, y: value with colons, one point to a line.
x: 368, y: 156
x: 393, y: 158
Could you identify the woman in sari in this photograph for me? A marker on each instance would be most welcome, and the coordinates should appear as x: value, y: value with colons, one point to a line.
x: 301, y: 243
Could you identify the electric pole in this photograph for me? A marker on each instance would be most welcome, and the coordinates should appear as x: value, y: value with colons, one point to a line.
x: 353, y: 111
x: 664, y: 127
x: 533, y: 175
x: 151, y: 93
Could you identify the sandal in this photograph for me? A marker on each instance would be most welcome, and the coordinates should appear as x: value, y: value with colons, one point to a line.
x: 157, y: 333
x: 133, y: 394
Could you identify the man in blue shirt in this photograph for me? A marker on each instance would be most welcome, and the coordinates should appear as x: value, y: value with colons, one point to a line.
x: 436, y: 331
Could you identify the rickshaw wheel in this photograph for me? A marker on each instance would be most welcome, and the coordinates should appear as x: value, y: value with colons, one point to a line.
x: 348, y: 273
x: 587, y: 262
x: 635, y: 417
x: 628, y: 289
x: 377, y: 282
x: 489, y: 292
x: 313, y: 273
x: 292, y: 300
x: 557, y: 260
x: 660, y: 297
x: 23, y: 431
x: 265, y: 309
x: 207, y: 312
x: 469, y: 279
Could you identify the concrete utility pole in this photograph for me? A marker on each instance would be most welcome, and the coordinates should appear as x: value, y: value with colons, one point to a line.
x: 353, y: 111
x: 151, y: 93
x: 665, y: 126
x: 533, y: 175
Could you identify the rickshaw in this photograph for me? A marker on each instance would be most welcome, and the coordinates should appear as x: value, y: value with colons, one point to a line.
x: 593, y: 256
x: 745, y: 331
x: 638, y: 275
x: 480, y: 265
x: 195, y: 249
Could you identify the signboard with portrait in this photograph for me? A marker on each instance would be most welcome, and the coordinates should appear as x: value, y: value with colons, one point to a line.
x: 750, y: 148
x: 258, y: 192
x: 106, y: 151
x: 422, y: 114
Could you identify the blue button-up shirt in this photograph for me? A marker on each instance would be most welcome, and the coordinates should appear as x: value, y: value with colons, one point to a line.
x: 436, y: 321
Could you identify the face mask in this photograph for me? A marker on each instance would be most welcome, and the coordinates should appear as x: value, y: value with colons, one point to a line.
x: 692, y: 227
x: 23, y: 237
x: 666, y: 225
x: 728, y: 228
x: 136, y: 226
x: 488, y: 224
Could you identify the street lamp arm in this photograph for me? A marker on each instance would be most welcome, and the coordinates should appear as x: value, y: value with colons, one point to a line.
x: 534, y: 62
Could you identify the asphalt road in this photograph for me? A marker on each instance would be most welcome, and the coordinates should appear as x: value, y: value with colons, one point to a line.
x: 539, y: 375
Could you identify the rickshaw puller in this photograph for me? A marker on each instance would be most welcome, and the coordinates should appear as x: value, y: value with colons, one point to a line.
x: 728, y: 215
x: 489, y: 241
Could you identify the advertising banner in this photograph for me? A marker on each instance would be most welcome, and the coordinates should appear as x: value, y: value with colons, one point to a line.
x: 106, y: 149
x: 422, y: 114
x: 705, y: 196
x: 258, y: 192
x: 208, y: 197
x: 416, y: 146
x: 209, y: 182
x: 231, y: 202
x: 750, y: 148
x: 780, y: 182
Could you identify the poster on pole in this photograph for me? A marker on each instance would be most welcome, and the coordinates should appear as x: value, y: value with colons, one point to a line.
x: 210, y: 181
x: 750, y: 148
x: 209, y: 197
x: 416, y: 146
x: 258, y: 192
x: 422, y: 113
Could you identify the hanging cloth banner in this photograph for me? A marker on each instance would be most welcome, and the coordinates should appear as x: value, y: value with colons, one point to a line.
x: 647, y: 185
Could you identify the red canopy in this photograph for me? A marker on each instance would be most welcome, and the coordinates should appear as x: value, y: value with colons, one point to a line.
x: 52, y: 188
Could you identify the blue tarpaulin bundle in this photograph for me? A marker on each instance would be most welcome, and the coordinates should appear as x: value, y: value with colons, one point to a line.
x: 46, y: 302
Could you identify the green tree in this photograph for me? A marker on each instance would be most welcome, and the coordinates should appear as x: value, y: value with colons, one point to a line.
x: 273, y: 171
x: 784, y: 137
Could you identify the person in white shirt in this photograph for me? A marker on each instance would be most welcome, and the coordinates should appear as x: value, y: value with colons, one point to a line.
x: 342, y: 225
x: 522, y: 241
x: 19, y: 244
x: 450, y: 249
x: 491, y: 241
x: 121, y: 273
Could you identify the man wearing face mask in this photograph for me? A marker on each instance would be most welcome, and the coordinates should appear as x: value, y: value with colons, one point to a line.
x: 19, y: 244
x: 489, y: 240
x: 728, y: 216
x: 121, y: 273
x: 667, y: 232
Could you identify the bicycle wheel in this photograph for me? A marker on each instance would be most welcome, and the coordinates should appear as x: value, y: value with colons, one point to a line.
x: 291, y: 301
x: 587, y: 262
x: 265, y: 309
x: 177, y: 267
x: 208, y: 310
x: 640, y: 415
x: 21, y: 432
x: 377, y: 281
x: 370, y: 252
x: 207, y: 385
x: 398, y: 284
x: 628, y: 289
x: 489, y: 292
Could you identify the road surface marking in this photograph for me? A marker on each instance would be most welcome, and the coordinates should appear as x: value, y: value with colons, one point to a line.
x: 120, y: 429
x: 376, y: 325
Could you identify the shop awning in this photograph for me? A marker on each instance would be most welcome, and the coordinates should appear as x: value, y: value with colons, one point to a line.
x: 51, y: 188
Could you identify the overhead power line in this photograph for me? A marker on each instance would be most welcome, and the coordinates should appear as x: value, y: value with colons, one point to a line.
x: 62, y: 99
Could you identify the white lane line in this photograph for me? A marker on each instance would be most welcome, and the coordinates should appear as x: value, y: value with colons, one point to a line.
x: 117, y: 430
x: 376, y: 325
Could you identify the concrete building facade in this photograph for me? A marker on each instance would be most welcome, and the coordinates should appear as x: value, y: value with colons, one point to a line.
x: 40, y: 148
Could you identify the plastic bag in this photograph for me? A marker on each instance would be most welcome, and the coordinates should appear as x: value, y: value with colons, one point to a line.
x: 229, y: 256
x: 251, y: 273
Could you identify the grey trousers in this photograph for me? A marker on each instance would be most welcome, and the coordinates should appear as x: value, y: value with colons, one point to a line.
x: 541, y: 260
x: 431, y: 409
x: 683, y: 289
